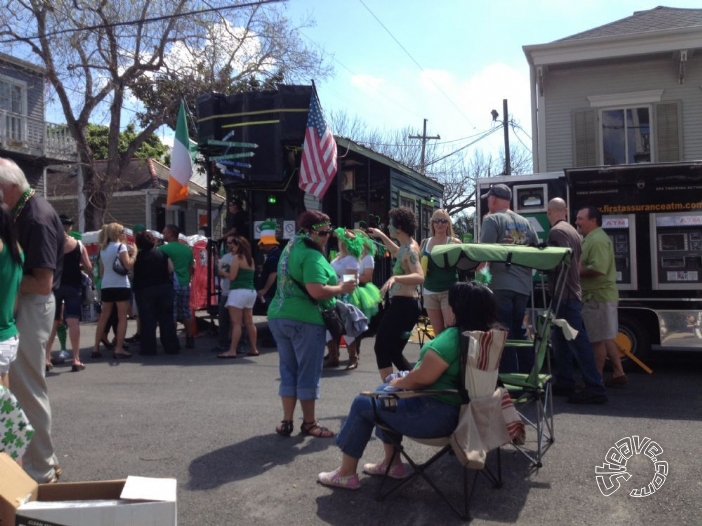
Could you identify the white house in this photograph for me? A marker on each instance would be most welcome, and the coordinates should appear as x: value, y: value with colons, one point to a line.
x: 622, y: 93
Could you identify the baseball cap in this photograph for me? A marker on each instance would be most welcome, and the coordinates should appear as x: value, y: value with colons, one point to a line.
x: 501, y: 191
x: 65, y: 220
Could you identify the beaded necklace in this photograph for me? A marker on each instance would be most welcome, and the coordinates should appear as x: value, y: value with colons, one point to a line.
x: 19, y: 206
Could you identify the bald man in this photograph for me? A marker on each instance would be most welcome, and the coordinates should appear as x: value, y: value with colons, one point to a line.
x: 562, y: 234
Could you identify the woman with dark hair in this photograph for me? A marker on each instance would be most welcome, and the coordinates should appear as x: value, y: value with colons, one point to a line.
x: 401, y: 317
x: 242, y: 295
x: 306, y: 283
x: 11, y: 261
x: 153, y: 293
x: 69, y: 300
x: 421, y: 417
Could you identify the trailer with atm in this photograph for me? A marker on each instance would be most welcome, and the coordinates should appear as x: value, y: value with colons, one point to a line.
x: 653, y: 215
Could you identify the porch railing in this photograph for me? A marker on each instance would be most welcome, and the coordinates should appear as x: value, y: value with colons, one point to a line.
x: 23, y: 134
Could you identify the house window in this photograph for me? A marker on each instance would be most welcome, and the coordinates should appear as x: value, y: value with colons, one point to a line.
x: 626, y: 135
x: 12, y: 103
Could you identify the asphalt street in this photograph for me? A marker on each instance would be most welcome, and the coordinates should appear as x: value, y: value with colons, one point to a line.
x: 210, y: 423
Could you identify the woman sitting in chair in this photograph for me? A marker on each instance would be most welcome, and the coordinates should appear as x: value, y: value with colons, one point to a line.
x: 421, y: 417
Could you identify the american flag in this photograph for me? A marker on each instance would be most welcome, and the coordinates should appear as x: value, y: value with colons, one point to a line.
x: 319, y: 153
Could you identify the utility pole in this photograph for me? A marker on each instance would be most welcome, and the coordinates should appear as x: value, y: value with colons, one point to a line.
x: 424, y: 140
x: 505, y: 124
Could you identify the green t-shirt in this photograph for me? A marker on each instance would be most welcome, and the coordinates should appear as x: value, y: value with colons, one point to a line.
x: 447, y: 346
x: 306, y: 265
x: 598, y: 255
x: 182, y: 257
x: 11, y: 274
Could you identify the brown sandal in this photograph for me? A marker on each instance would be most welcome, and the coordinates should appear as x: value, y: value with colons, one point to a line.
x: 313, y: 429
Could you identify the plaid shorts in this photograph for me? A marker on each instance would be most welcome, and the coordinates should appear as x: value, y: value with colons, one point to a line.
x: 181, y: 302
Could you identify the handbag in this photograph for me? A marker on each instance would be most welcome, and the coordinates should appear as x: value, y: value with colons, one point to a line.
x: 331, y: 317
x: 117, y: 266
x: 88, y: 289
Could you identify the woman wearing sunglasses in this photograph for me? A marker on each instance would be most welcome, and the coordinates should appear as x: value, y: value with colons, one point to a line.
x: 306, y: 283
x: 437, y: 280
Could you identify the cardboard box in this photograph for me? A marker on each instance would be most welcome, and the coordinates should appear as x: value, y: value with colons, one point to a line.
x: 136, y: 501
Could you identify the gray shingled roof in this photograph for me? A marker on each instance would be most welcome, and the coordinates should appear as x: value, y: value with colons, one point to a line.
x: 657, y: 19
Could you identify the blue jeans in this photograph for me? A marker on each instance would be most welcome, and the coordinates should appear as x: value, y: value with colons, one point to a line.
x: 301, y: 351
x: 422, y: 417
x: 155, y: 306
x: 511, y: 307
x: 579, y: 348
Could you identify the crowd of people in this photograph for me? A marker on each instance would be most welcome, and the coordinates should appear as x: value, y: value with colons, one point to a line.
x: 303, y: 289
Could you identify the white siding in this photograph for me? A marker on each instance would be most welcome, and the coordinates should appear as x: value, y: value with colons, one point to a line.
x: 567, y: 90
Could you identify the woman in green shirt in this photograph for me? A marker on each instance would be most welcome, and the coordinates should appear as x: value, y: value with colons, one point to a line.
x: 242, y: 295
x: 422, y: 417
x: 306, y: 283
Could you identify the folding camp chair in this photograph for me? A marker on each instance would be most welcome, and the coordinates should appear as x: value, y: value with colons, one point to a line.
x: 533, y: 388
x: 480, y: 357
x: 425, y: 331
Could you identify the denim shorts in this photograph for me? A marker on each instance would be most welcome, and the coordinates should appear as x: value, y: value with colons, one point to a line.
x: 72, y: 301
x: 301, y: 352
x: 8, y: 353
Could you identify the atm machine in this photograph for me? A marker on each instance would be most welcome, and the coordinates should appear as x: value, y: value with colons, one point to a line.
x: 621, y: 229
x: 676, y: 250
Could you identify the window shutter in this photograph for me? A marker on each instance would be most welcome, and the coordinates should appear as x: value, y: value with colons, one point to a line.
x: 585, y: 134
x: 668, y: 134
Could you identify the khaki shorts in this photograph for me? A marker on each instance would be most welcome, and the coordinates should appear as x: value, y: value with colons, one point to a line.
x: 436, y: 301
x: 601, y: 321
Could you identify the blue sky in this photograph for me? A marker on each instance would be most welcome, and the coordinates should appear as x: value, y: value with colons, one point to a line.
x: 470, y: 55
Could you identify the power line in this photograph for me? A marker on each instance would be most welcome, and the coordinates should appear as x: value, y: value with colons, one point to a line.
x: 417, y: 63
x: 394, y: 101
x: 144, y: 20
x: 485, y: 135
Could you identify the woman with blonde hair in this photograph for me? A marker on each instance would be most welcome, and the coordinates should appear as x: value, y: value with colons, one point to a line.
x: 115, y: 292
x: 349, y: 263
x: 437, y: 280
x: 242, y: 295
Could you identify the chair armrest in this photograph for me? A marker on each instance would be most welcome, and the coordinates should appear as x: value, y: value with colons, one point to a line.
x: 398, y: 395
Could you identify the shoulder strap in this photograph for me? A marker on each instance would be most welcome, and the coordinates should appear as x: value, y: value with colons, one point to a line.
x: 303, y: 289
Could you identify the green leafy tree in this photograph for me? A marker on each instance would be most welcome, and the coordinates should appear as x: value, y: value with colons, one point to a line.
x: 99, y: 136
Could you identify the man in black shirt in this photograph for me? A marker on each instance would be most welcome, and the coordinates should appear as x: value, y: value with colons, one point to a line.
x: 236, y: 220
x: 40, y: 235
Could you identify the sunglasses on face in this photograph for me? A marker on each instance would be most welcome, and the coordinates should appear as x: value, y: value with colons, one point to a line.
x: 324, y: 232
x: 232, y: 243
x: 441, y: 221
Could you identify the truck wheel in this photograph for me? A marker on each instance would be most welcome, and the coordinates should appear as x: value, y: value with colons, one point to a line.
x: 634, y: 338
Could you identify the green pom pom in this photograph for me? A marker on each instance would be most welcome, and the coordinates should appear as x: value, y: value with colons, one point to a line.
x: 483, y: 276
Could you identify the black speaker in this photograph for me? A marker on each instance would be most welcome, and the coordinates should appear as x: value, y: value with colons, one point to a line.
x: 271, y: 119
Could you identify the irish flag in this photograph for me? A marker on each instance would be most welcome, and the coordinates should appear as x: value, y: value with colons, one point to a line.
x: 181, y: 161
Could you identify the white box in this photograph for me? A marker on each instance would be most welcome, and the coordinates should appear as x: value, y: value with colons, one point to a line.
x: 136, y: 501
